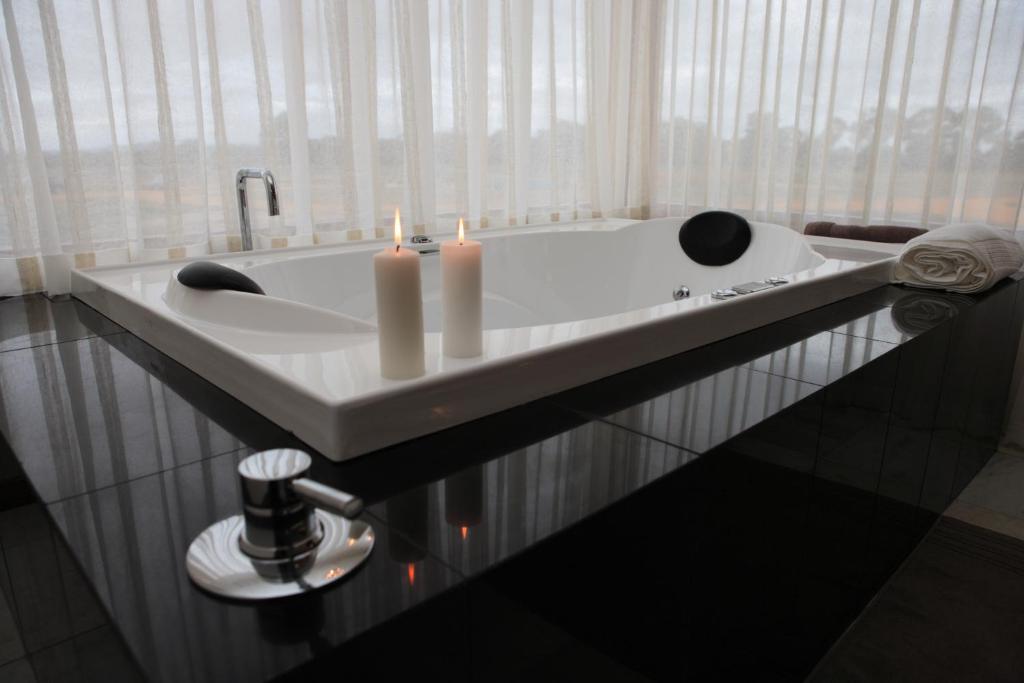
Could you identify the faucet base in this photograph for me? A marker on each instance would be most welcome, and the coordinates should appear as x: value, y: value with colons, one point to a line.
x: 216, y: 563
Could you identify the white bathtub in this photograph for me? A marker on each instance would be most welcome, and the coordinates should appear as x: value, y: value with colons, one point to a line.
x: 564, y: 305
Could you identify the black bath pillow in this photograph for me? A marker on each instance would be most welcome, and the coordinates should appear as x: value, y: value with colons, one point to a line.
x: 715, y: 238
x: 209, y: 275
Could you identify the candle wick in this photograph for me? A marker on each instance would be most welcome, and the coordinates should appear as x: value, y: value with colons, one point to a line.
x: 397, y: 246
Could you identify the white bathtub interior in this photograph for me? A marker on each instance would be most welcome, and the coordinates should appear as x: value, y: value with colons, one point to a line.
x: 541, y: 278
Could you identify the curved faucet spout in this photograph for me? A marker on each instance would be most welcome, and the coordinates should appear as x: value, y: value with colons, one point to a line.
x: 273, y: 208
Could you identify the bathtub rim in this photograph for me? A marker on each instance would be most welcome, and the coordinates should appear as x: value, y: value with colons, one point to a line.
x: 554, y: 366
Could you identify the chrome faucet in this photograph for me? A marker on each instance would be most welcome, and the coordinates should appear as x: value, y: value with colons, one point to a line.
x: 243, y: 205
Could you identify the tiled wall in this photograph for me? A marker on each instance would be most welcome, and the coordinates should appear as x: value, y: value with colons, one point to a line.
x: 748, y: 563
x: 787, y: 473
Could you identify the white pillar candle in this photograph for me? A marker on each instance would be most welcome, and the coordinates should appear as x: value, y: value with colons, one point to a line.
x: 462, y: 296
x: 399, y: 310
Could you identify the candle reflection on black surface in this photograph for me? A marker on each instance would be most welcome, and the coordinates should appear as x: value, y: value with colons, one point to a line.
x: 408, y: 512
x: 464, y: 499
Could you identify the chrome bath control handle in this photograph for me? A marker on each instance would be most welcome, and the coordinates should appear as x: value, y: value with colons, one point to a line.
x: 280, y: 503
x: 294, y: 535
x: 327, y: 498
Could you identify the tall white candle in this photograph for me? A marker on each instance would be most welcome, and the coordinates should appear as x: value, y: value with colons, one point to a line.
x: 399, y: 309
x: 462, y: 296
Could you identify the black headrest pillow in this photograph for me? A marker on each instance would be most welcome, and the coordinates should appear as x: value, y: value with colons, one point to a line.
x: 715, y: 238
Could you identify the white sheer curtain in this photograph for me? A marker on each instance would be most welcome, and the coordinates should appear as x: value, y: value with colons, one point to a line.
x: 902, y: 111
x: 122, y: 123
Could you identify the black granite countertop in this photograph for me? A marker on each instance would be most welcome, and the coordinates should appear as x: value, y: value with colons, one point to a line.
x: 132, y: 455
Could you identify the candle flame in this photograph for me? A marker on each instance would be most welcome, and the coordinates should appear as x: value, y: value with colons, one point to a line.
x: 462, y: 232
x: 398, y: 230
x: 411, y: 569
x: 465, y: 532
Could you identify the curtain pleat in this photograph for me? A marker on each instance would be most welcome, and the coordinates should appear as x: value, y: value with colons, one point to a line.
x: 125, y: 158
x: 122, y: 124
x: 476, y: 110
x: 362, y: 54
x: 292, y: 31
x: 52, y: 269
x: 74, y: 191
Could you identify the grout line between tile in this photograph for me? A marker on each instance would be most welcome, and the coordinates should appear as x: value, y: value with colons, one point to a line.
x: 605, y: 418
x: 986, y: 518
x: 1010, y: 452
x: 63, y: 341
x: 835, y: 330
x: 606, y: 421
x: 214, y: 456
x: 792, y: 379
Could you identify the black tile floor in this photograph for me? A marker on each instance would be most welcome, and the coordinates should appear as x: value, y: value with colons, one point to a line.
x: 994, y: 500
x: 953, y: 612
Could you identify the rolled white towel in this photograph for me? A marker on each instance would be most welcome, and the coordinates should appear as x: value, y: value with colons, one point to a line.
x: 964, y: 258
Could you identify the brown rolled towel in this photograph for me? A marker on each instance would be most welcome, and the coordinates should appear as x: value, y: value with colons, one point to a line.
x: 892, y: 234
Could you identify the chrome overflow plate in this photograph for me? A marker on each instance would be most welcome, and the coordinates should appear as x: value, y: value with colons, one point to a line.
x: 424, y: 244
x: 749, y: 287
x: 296, y: 535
